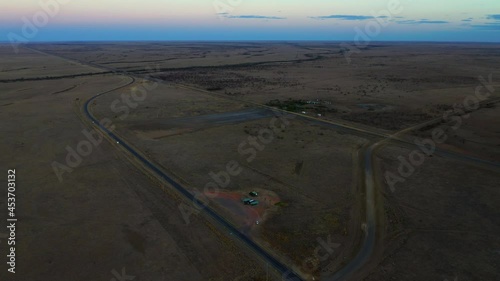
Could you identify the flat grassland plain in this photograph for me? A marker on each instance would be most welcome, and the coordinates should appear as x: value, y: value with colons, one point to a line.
x: 297, y: 122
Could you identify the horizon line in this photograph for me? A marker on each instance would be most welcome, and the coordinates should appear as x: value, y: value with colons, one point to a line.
x: 245, y: 40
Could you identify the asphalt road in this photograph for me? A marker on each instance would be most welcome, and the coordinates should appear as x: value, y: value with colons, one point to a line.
x: 370, y: 226
x: 287, y: 273
x: 290, y: 274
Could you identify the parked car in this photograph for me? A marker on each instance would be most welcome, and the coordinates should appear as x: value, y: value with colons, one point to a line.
x: 254, y: 203
x: 248, y: 201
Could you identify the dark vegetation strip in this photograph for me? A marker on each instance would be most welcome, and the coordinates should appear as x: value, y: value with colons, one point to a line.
x: 53, y: 77
x: 246, y: 64
x: 131, y: 62
x: 16, y: 69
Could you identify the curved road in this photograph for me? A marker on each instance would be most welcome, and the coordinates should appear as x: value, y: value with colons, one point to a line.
x: 370, y: 227
x: 290, y: 275
x: 286, y: 272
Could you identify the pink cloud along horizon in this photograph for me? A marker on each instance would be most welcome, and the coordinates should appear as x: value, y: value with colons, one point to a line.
x: 250, y: 20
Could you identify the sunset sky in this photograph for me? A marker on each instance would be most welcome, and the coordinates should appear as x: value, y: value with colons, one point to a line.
x: 107, y: 20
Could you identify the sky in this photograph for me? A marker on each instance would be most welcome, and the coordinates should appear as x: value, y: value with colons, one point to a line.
x: 213, y: 20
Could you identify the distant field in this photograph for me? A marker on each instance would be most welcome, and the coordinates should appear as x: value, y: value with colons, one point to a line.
x: 209, y: 105
x: 406, y: 84
x: 104, y: 209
